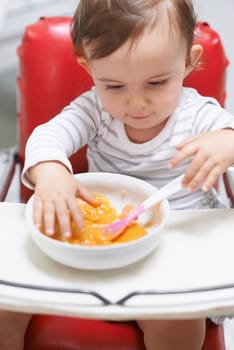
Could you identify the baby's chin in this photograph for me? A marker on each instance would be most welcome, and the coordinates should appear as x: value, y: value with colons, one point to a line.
x: 142, y: 134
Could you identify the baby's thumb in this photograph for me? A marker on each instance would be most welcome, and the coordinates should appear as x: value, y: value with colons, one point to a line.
x: 84, y: 194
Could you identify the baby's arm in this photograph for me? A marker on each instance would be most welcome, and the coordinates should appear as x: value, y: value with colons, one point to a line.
x: 47, y: 166
x: 211, y: 153
x: 55, y: 196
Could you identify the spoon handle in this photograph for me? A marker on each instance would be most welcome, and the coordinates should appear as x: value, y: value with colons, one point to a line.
x: 116, y: 228
x: 166, y: 191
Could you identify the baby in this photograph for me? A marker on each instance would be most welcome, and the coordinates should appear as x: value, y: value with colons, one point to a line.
x: 137, y: 120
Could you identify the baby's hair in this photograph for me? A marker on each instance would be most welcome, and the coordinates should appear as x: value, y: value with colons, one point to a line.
x: 105, y: 25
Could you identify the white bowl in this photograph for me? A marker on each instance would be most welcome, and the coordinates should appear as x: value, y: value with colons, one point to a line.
x: 121, y: 190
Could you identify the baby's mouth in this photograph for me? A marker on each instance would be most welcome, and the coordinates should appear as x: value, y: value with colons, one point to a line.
x: 139, y: 117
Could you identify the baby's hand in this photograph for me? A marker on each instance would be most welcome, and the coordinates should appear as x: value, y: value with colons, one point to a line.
x: 211, y: 154
x: 55, y: 197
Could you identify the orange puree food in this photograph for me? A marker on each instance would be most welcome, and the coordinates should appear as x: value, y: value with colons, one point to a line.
x: 94, y: 218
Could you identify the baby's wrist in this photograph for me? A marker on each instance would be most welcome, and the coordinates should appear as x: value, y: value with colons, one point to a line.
x: 44, y: 169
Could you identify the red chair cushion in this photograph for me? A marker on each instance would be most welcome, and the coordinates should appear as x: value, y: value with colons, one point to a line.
x: 68, y: 333
x: 63, y: 333
x: 210, y: 78
x: 214, y: 339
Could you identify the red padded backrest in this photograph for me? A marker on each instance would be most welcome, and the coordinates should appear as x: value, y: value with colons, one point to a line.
x: 49, y: 77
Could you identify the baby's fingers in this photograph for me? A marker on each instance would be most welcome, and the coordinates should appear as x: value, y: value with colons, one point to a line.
x: 197, y: 171
x: 205, y: 176
x: 37, y: 212
x: 44, y: 215
x: 186, y: 141
x: 63, y: 217
x: 186, y: 152
x: 48, y: 217
x: 76, y: 213
x: 84, y: 194
x: 211, y: 179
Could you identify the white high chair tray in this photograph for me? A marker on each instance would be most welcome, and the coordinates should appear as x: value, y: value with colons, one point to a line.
x: 190, y: 274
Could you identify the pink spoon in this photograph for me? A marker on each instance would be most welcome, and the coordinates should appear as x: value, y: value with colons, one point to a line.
x: 114, y: 229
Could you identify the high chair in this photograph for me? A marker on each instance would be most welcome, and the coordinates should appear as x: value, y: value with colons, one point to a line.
x: 49, y: 78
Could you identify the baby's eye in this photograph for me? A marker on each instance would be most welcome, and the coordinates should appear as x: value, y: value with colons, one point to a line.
x: 157, y: 83
x: 114, y: 87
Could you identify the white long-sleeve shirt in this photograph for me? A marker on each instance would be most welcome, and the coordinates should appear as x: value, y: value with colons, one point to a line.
x: 85, y: 121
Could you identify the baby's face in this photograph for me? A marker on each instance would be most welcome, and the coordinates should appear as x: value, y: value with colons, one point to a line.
x: 141, y: 85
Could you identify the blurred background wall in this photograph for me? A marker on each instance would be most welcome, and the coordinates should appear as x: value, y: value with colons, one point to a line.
x: 16, y: 14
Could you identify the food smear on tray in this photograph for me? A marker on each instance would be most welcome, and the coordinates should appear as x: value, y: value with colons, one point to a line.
x: 94, y: 219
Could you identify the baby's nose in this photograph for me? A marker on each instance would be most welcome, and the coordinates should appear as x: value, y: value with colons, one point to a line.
x: 138, y: 102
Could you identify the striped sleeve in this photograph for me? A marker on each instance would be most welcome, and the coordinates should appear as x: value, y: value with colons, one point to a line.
x: 211, y: 116
x: 64, y: 134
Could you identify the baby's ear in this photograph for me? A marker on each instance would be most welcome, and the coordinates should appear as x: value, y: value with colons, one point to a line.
x: 193, y: 59
x: 84, y: 63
